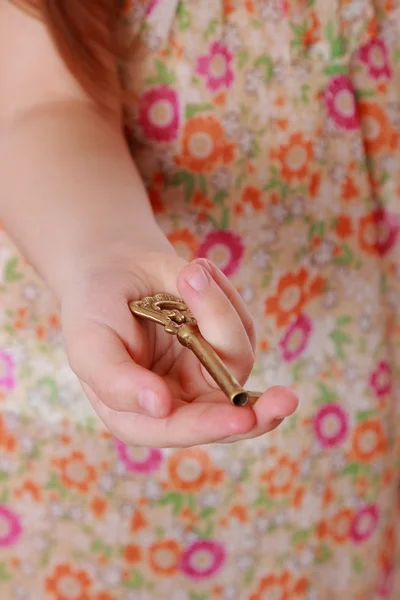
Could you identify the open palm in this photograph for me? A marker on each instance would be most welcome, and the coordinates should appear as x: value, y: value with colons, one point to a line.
x: 147, y: 388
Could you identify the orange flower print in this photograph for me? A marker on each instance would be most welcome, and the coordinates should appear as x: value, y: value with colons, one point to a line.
x: 343, y: 227
x: 368, y: 234
x: 75, y: 472
x: 273, y: 586
x: 67, y: 583
x: 311, y: 35
x: 280, y: 587
x: 294, y: 290
x: 132, y: 554
x: 190, y: 469
x: 98, y: 506
x: 375, y: 126
x: 369, y: 441
x: 155, y: 200
x: 314, y: 185
x: 204, y: 145
x: 184, y: 243
x: 8, y: 442
x: 280, y: 479
x: 349, y: 189
x: 295, y: 157
x: 164, y: 557
x: 339, y: 526
x: 228, y: 7
x: 252, y: 196
x: 199, y: 199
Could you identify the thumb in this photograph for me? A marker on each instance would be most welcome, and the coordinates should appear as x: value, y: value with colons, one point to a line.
x: 102, y: 362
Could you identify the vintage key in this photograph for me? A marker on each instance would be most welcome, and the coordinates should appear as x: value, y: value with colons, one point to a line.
x: 177, y: 319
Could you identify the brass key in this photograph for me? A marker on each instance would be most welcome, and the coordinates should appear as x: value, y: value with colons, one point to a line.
x: 177, y: 319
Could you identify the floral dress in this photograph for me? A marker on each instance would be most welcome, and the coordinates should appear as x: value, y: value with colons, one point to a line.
x: 267, y: 133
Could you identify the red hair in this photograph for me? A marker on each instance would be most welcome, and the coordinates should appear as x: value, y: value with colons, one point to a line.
x: 85, y: 34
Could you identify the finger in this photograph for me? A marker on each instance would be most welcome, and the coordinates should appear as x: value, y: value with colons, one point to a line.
x: 100, y: 359
x: 233, y: 296
x: 218, y: 320
x: 201, y: 422
x: 190, y: 424
x: 273, y: 407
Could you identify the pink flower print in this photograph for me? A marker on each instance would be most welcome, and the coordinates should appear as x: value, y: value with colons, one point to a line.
x: 340, y: 102
x: 381, y: 379
x: 216, y: 67
x: 10, y: 527
x: 331, y: 425
x: 365, y: 522
x: 223, y: 248
x: 295, y: 340
x: 149, y: 462
x: 203, y: 559
x: 151, y: 7
x: 375, y: 57
x: 159, y: 114
x: 386, y: 582
x: 388, y: 227
x: 7, y: 371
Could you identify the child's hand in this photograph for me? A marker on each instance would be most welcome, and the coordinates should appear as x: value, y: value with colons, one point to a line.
x: 147, y: 388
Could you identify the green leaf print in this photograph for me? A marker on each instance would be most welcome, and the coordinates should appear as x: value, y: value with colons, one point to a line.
x: 212, y: 28
x: 353, y: 469
x: 99, y: 547
x: 163, y: 76
x: 324, y: 554
x: 326, y: 395
x: 242, y: 58
x: 5, y: 494
x: 187, y: 180
x: 10, y: 270
x: 396, y: 55
x: 220, y: 196
x: 340, y: 339
x: 335, y: 70
x: 264, y: 500
x: 51, y: 387
x: 345, y: 257
x: 305, y: 88
x: 358, y: 565
x: 267, y: 65
x: 206, y: 513
x: 360, y: 94
x: 184, y: 20
x: 207, y: 533
x: 193, y: 109
x: 225, y: 218
x: 197, y: 596
x: 135, y: 581
x: 54, y: 484
x: 203, y: 184
x: 365, y: 415
x: 4, y: 573
x: 191, y: 502
x: 175, y: 499
x: 301, y: 535
x: 317, y: 229
x: 337, y: 42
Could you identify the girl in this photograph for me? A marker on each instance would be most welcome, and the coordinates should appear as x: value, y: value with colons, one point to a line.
x: 263, y: 138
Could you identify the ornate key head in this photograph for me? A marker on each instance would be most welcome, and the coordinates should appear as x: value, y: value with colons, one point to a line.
x: 165, y: 310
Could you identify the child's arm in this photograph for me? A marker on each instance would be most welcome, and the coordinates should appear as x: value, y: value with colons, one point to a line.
x: 68, y: 183
x: 73, y: 201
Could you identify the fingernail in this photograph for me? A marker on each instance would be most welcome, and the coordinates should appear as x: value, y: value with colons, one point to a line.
x: 149, y: 402
x: 197, y: 279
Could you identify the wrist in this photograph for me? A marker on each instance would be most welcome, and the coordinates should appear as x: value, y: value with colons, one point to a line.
x: 103, y: 256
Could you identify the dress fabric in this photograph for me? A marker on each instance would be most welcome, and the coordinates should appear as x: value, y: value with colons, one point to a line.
x: 268, y: 136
